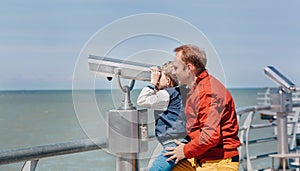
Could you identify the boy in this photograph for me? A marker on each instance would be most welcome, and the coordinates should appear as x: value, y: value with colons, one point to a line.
x: 163, y: 94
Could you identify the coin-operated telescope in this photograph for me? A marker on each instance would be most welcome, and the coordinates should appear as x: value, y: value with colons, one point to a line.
x: 281, y: 103
x: 127, y: 126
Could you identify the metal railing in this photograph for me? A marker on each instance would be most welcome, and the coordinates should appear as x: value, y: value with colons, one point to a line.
x: 245, y: 127
x: 31, y: 155
x: 44, y: 151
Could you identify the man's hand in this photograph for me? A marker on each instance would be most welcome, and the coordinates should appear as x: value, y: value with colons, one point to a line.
x: 175, y: 152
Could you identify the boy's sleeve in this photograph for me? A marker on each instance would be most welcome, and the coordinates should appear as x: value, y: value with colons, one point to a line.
x: 149, y: 98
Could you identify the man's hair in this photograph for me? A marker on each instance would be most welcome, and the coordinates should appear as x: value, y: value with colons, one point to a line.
x: 193, y: 54
x: 167, y: 68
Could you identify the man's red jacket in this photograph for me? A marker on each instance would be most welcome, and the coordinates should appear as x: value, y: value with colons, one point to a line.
x: 211, y: 121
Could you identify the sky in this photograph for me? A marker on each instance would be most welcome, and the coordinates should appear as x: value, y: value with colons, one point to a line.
x: 44, y: 44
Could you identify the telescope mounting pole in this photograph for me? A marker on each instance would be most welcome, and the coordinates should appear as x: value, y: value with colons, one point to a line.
x: 285, y: 107
x: 126, y: 161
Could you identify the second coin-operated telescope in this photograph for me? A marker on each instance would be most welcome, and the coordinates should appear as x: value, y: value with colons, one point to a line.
x: 282, y: 104
x: 110, y: 67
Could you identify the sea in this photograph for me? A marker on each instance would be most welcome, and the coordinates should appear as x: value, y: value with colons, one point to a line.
x: 30, y: 118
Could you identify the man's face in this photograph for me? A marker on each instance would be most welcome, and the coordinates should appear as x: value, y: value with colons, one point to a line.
x: 180, y: 69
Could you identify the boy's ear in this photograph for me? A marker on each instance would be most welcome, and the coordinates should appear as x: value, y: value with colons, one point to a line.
x: 169, y: 81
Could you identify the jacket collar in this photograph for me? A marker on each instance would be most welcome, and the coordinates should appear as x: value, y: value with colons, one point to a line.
x: 200, y: 77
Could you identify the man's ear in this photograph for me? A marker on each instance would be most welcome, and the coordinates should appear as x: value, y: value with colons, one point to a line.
x: 190, y: 66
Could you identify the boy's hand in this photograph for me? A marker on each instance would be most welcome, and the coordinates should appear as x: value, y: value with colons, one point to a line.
x: 155, y: 76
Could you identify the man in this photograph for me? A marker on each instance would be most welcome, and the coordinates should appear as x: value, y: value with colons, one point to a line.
x: 211, y: 120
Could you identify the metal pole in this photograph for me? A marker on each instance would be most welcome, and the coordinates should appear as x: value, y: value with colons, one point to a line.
x: 282, y: 137
x: 127, y: 162
x: 285, y: 107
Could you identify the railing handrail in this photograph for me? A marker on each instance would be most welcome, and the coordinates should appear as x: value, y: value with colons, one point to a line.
x: 43, y: 151
x: 254, y: 108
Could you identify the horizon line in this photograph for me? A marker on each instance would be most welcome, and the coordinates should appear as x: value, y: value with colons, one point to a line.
x: 64, y: 89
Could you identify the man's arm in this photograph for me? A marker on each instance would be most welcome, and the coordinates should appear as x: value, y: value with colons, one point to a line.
x: 208, y: 132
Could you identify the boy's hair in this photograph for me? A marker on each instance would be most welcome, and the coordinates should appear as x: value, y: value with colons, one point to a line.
x: 167, y: 68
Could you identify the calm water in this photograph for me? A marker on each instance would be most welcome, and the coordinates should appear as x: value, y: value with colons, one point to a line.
x: 30, y: 118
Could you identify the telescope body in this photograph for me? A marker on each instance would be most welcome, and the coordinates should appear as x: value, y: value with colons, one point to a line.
x: 109, y: 67
x: 277, y: 77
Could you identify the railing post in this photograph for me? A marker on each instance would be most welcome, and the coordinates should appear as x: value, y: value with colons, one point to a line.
x: 30, y: 165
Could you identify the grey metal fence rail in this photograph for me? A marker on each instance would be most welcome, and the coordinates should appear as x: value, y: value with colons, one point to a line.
x: 44, y: 151
x: 31, y: 155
